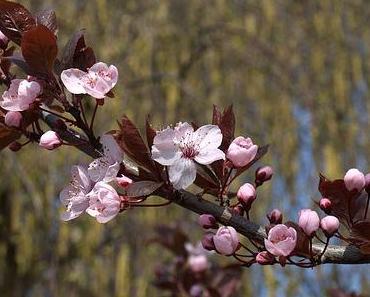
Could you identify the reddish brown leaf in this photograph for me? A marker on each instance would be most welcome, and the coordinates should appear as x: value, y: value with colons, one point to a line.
x: 150, y: 133
x: 360, y: 236
x: 342, y: 200
x: 216, y: 118
x: 83, y: 56
x: 48, y: 18
x: 227, y: 126
x: 131, y: 142
x: 14, y: 20
x: 39, y: 49
x: 7, y: 136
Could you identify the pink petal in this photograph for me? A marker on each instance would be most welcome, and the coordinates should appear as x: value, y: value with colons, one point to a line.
x: 164, y: 150
x: 209, y: 137
x: 71, y: 79
x: 182, y: 173
x: 208, y: 157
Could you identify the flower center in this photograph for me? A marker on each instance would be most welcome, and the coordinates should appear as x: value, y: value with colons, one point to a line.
x: 189, y: 151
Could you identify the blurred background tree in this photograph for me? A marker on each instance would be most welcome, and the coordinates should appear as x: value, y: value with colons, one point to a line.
x: 297, y: 73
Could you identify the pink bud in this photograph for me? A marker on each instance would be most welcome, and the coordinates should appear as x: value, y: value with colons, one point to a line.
x: 281, y: 240
x: 325, y: 205
x: 13, y: 119
x: 123, y: 181
x: 275, y: 217
x: 226, y: 240
x: 263, y: 174
x: 15, y: 146
x: 265, y: 258
x: 207, y: 242
x: 309, y: 221
x: 207, y: 221
x: 329, y: 225
x: 238, y: 210
x: 246, y: 195
x: 367, y: 183
x: 241, y: 151
x: 50, y: 140
x: 354, y: 180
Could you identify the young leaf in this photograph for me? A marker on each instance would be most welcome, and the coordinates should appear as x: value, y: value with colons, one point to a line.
x: 142, y: 188
x: 131, y: 142
x: 360, y: 236
x: 48, y: 18
x: 227, y: 126
x: 150, y: 133
x: 14, y: 20
x: 83, y: 56
x: 39, y: 49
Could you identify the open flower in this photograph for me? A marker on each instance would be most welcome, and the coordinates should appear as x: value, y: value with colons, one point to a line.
x: 21, y: 94
x: 74, y: 195
x: 104, y: 202
x: 281, y: 240
x: 178, y: 148
x: 106, y: 167
x: 97, y: 82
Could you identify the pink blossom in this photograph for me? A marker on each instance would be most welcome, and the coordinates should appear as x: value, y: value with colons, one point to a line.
x: 281, y: 240
x: 74, y: 195
x: 50, y: 140
x: 263, y: 174
x: 20, y: 95
x: 329, y: 225
x: 13, y: 119
x: 354, y: 180
x: 104, y: 202
x: 207, y: 221
x: 123, y: 181
x: 106, y: 167
x: 309, y: 221
x: 181, y: 147
x: 265, y: 258
x: 226, y: 240
x: 246, y: 194
x: 241, y: 151
x: 97, y: 82
x: 197, y: 259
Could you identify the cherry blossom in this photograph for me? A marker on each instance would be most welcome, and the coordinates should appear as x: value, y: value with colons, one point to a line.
x: 179, y: 147
x: 226, y: 240
x: 241, y: 151
x: 106, y: 167
x: 104, y: 202
x: 50, y: 140
x: 74, y: 195
x: 21, y: 94
x: 281, y: 240
x: 97, y: 82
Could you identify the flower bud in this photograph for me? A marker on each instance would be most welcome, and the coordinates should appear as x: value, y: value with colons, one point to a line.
x: 325, y: 205
x: 354, y: 180
x: 281, y: 240
x: 207, y: 221
x: 15, y: 146
x: 50, y: 140
x: 238, y: 210
x: 265, y: 258
x: 367, y: 183
x: 275, y: 217
x: 3, y: 41
x: 226, y: 240
x: 241, y: 151
x: 246, y: 195
x: 329, y: 225
x: 263, y: 174
x: 123, y: 181
x: 207, y: 242
x: 309, y: 221
x: 13, y: 119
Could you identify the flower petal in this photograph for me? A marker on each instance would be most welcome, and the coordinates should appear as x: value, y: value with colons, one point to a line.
x: 209, y: 136
x: 71, y: 79
x: 208, y: 157
x: 164, y: 150
x: 111, y: 148
x: 182, y: 173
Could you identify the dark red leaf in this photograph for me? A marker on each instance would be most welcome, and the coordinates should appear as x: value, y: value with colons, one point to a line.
x: 131, y: 142
x: 360, y: 236
x: 216, y: 118
x: 39, y: 49
x: 7, y: 136
x: 48, y: 18
x: 342, y: 200
x: 227, y: 126
x: 150, y: 133
x: 83, y: 56
x: 14, y: 20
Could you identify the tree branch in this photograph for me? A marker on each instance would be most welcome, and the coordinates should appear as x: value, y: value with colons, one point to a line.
x: 335, y: 254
